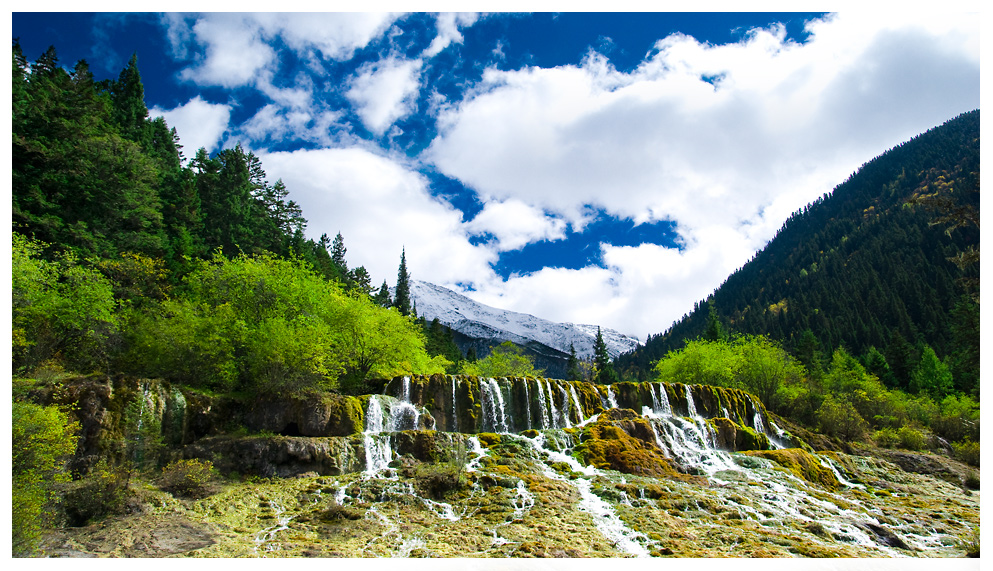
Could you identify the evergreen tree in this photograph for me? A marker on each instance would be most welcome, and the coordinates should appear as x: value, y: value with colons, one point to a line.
x: 382, y: 297
x: 931, y: 376
x: 715, y: 331
x: 360, y: 280
x: 401, y: 300
x: 572, y: 368
x: 338, y: 253
x: 605, y: 373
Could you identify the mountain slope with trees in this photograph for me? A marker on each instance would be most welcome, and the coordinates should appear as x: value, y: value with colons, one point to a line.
x: 870, y: 267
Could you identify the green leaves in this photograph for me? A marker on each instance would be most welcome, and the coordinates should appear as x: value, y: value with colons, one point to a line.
x: 505, y: 360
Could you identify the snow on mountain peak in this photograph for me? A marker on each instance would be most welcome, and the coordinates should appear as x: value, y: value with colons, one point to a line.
x: 475, y: 319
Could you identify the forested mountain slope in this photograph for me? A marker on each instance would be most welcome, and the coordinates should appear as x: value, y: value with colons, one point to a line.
x: 860, y: 267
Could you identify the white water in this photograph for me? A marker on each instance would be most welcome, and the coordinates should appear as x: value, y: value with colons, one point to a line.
x: 579, y: 407
x: 523, y: 502
x: 527, y: 403
x: 455, y: 412
x: 264, y: 538
x: 611, y: 400
x: 604, y: 518
x: 378, y: 452
x: 551, y: 403
x: 543, y: 406
x: 494, y: 411
x: 565, y: 407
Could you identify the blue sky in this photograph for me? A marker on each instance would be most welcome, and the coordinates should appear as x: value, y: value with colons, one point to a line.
x: 583, y: 167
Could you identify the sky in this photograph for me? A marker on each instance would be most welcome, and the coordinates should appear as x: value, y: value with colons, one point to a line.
x: 601, y: 168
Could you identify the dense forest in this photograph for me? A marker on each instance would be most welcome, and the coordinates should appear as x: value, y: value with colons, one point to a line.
x: 885, y: 266
x: 859, y: 320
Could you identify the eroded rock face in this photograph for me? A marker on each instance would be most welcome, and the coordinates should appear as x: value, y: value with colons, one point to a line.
x: 280, y: 456
x: 327, y: 415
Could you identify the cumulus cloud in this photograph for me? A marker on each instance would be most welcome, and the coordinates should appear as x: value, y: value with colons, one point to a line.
x: 723, y: 140
x: 235, y: 48
x: 448, y: 25
x: 380, y: 207
x: 514, y: 224
x: 385, y: 91
x: 198, y: 123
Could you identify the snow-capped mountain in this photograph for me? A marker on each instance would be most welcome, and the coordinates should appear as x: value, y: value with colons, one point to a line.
x: 493, y: 326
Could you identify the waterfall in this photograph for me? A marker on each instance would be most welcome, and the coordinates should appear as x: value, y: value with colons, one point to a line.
x: 543, y: 406
x: 494, y: 411
x: 551, y: 402
x: 611, y: 399
x: 378, y: 452
x: 527, y: 404
x: 565, y: 407
x: 690, y: 406
x: 455, y: 412
x: 664, y: 401
x: 579, y: 406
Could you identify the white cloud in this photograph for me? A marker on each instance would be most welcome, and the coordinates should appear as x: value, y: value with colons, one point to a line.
x: 235, y: 51
x: 724, y: 140
x: 198, y: 123
x: 448, y: 25
x: 380, y: 207
x: 235, y: 48
x: 514, y: 224
x: 385, y: 91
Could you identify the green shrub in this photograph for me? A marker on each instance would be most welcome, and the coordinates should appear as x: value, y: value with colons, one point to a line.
x: 967, y: 451
x: 886, y: 438
x: 188, y: 478
x: 42, y: 439
x: 839, y: 418
x: 910, y: 439
x: 104, y: 491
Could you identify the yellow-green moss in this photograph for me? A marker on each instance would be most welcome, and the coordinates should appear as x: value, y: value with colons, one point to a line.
x: 609, y: 444
x: 488, y: 439
x: 801, y: 464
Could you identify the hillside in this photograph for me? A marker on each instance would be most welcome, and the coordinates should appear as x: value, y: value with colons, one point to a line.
x: 860, y: 267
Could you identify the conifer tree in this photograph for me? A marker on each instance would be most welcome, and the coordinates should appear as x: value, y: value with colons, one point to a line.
x: 605, y: 373
x: 382, y: 297
x: 715, y: 331
x: 401, y: 300
x: 572, y: 368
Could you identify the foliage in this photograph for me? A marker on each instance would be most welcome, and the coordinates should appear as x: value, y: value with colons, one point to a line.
x: 504, y: 360
x: 61, y: 310
x: 750, y: 363
x: 931, y: 376
x: 42, y: 439
x: 188, y: 478
x: 840, y: 419
x: 102, y: 492
x: 856, y: 266
x: 401, y: 300
x: 604, y: 369
x: 967, y: 451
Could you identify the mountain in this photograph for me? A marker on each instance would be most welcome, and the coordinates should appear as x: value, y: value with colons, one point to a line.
x: 480, y: 326
x: 861, y: 267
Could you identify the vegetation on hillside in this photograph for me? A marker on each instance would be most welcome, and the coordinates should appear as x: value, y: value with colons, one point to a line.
x: 885, y: 261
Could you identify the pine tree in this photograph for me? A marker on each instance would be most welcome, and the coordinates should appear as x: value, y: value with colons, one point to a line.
x: 715, y: 331
x: 401, y: 300
x: 605, y: 373
x: 338, y: 253
x: 572, y: 368
x: 382, y: 297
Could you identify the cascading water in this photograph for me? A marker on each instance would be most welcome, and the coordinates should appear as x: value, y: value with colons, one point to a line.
x: 611, y: 399
x: 527, y: 403
x: 551, y: 403
x: 455, y: 412
x: 565, y: 407
x: 579, y: 407
x: 543, y: 406
x: 403, y: 414
x: 494, y: 411
x: 378, y: 452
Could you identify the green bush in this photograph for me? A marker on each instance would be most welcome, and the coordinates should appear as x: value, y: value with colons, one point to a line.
x: 42, y: 439
x: 886, y: 437
x: 967, y: 451
x: 60, y: 309
x: 840, y: 419
x: 189, y: 478
x: 102, y: 492
x: 910, y: 439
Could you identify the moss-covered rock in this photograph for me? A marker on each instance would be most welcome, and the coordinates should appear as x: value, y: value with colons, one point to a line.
x: 801, y: 464
x: 622, y: 440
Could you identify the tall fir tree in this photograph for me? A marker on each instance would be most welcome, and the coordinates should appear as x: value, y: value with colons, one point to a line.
x: 382, y: 297
x: 401, y: 300
x: 605, y: 373
x: 572, y: 367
